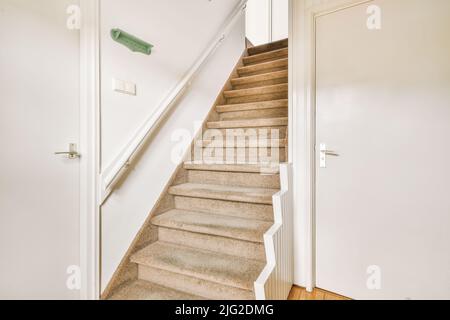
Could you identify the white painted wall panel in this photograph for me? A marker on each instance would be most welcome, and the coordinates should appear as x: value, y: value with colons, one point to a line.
x: 267, y: 21
x: 258, y: 21
x: 280, y: 19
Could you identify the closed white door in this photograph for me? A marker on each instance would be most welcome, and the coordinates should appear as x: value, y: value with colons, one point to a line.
x: 383, y: 106
x: 39, y: 115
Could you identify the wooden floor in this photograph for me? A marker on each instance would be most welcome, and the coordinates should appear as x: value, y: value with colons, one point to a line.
x: 298, y: 293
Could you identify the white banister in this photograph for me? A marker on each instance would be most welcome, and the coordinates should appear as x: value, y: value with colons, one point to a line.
x: 277, y: 278
x: 113, y: 173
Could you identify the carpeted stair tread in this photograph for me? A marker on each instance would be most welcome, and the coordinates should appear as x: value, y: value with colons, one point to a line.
x: 264, y: 67
x: 261, y: 80
x: 231, y: 168
x: 282, y: 103
x: 247, y: 143
x: 248, y: 123
x: 212, y: 224
x: 276, y: 88
x: 218, y: 268
x: 226, y: 208
x: 230, y: 193
x: 268, y: 47
x: 144, y: 290
x: 265, y: 56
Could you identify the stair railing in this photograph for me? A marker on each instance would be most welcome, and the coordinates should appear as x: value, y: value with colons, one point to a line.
x: 119, y: 167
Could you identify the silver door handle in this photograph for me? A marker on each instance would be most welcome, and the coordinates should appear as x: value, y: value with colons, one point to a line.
x: 330, y: 153
x: 324, y: 152
x: 72, y: 153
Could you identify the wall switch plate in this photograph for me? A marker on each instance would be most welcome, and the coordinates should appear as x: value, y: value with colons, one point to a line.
x: 124, y: 87
x: 130, y: 88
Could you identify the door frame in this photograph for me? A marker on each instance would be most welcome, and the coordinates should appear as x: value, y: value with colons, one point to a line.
x: 89, y: 149
x: 302, y: 142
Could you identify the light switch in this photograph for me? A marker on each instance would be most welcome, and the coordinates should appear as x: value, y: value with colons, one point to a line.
x: 118, y: 85
x: 124, y: 87
x: 130, y: 88
x: 323, y: 155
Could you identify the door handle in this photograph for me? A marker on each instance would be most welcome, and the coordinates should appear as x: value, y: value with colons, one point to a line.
x: 324, y: 152
x: 331, y: 153
x: 72, y: 153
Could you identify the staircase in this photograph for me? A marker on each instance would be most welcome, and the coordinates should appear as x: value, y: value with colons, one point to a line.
x: 210, y: 230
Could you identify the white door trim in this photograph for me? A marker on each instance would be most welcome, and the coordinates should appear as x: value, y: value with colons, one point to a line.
x: 270, y: 18
x: 303, y: 14
x: 89, y: 149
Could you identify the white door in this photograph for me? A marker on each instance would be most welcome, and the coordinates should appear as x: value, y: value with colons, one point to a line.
x: 39, y: 115
x: 257, y: 20
x: 267, y: 21
x: 383, y: 105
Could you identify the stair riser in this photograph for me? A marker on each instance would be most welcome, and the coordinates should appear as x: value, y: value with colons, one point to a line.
x: 277, y: 132
x: 213, y: 225
x: 265, y: 60
x: 259, y: 70
x: 234, y: 179
x: 243, y: 156
x: 256, y: 91
x: 268, y: 47
x: 258, y: 114
x: 266, y: 57
x: 257, y: 84
x: 195, y: 286
x: 143, y: 290
x: 258, y: 98
x: 239, y: 248
x: 259, y: 199
x: 232, y: 168
x: 242, y: 81
x: 248, y: 123
x: 253, y: 106
x: 227, y: 208
x: 281, y: 143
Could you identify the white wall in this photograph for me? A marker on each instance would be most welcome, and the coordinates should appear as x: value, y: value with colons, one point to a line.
x: 180, y: 33
x: 280, y: 21
x: 267, y: 20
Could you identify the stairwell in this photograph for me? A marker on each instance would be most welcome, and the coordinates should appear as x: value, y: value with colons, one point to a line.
x: 205, y: 238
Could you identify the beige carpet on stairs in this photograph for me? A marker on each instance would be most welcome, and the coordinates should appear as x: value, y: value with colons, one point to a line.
x: 210, y: 241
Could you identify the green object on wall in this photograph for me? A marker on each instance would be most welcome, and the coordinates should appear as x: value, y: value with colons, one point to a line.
x: 131, y: 42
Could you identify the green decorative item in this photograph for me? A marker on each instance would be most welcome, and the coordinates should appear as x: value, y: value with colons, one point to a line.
x: 131, y: 42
